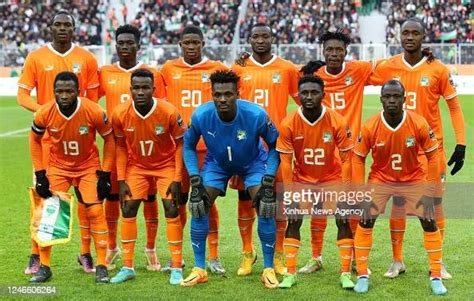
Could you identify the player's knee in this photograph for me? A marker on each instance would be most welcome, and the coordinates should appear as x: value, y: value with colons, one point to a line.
x: 343, y: 223
x: 151, y: 198
x: 293, y: 232
x: 171, y: 210
x: 244, y: 195
x: 437, y: 201
x: 130, y: 209
x: 428, y: 225
x: 398, y: 201
x: 94, y: 214
x: 367, y: 224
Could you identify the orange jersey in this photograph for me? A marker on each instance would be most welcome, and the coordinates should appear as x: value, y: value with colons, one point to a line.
x: 115, y: 84
x: 269, y: 85
x: 150, y: 139
x: 72, y: 139
x: 424, y: 84
x: 345, y: 91
x: 395, y: 151
x: 42, y: 66
x: 189, y: 86
x: 315, y: 145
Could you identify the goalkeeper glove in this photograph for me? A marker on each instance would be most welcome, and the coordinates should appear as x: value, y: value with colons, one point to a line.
x: 265, y: 199
x: 200, y: 201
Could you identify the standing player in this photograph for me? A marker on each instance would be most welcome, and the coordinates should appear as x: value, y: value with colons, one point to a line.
x: 395, y: 137
x: 71, y: 123
x: 268, y: 81
x: 231, y: 129
x: 115, y: 85
x: 426, y: 79
x: 188, y: 86
x: 40, y: 69
x: 149, y: 135
x: 315, y: 135
x: 344, y: 84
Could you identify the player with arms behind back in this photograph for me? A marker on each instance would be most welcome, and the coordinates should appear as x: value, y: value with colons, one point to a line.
x: 71, y: 123
x: 426, y: 79
x: 188, y: 85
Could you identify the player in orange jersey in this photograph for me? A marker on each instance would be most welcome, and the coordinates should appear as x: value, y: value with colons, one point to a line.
x: 72, y: 123
x: 149, y: 135
x: 344, y: 93
x: 40, y: 69
x: 269, y: 81
x: 115, y: 86
x: 315, y: 135
x: 426, y: 79
x: 396, y: 136
x: 188, y: 86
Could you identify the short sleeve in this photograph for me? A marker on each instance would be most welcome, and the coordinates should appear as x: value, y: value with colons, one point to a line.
x: 446, y: 85
x: 285, y: 139
x: 428, y: 139
x: 363, y: 144
x: 343, y: 136
x: 117, y: 124
x: 267, y: 129
x: 39, y: 124
x: 28, y: 75
x: 294, y: 77
x: 377, y: 77
x: 177, y: 127
x: 160, y: 86
x: 101, y: 122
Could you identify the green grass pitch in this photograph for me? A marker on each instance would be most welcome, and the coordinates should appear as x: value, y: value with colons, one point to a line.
x: 15, y: 177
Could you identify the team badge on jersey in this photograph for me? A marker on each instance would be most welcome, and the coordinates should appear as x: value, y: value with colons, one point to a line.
x: 241, y: 135
x: 410, y: 142
x: 159, y: 129
x: 76, y: 68
x: 276, y: 78
x: 425, y: 81
x: 348, y: 80
x: 327, y: 137
x: 205, y: 77
x: 83, y: 130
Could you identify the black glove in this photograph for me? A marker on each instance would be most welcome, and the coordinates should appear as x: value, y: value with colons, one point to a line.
x: 265, y: 199
x: 312, y: 66
x: 103, y: 184
x: 457, y: 158
x: 200, y: 201
x: 42, y: 184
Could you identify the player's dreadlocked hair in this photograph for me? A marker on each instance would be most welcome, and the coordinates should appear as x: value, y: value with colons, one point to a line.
x: 128, y: 29
x: 66, y: 76
x: 338, y: 35
x: 309, y: 78
x: 224, y: 76
x: 142, y: 73
x: 63, y: 12
x: 427, y: 50
x: 192, y: 29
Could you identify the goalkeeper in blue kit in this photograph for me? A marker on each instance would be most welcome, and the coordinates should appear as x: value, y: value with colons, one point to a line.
x: 232, y: 130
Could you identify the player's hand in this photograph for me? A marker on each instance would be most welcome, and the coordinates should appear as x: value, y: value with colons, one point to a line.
x: 265, y: 199
x: 428, y: 207
x: 241, y: 58
x: 124, y: 190
x: 200, y: 201
x: 367, y: 216
x: 42, y: 184
x: 457, y: 158
x: 312, y: 66
x: 175, y: 190
x: 104, y: 185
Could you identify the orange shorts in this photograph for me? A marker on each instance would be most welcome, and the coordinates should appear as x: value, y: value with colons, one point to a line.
x: 141, y: 181
x: 439, y: 190
x: 115, y: 186
x: 237, y: 182
x: 85, y: 181
x: 185, y: 185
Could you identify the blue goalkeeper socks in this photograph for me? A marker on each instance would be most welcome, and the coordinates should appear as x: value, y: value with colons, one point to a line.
x: 267, y: 234
x: 199, y: 231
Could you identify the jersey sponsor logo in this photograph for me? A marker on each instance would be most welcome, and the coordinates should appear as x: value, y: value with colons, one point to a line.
x: 425, y: 81
x: 213, y: 134
x: 348, y: 80
x: 276, y: 78
x: 76, y: 68
x: 176, y: 76
x: 83, y: 130
x: 247, y: 77
x: 49, y: 68
x: 205, y: 77
x: 159, y: 129
x: 112, y: 82
x: 327, y: 137
x: 241, y: 135
x: 410, y: 142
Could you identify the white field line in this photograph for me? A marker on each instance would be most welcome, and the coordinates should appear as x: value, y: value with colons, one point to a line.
x: 12, y: 133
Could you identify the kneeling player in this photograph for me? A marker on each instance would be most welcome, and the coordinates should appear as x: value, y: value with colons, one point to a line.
x: 395, y: 136
x: 231, y: 129
x: 71, y: 123
x: 313, y: 134
x: 149, y: 150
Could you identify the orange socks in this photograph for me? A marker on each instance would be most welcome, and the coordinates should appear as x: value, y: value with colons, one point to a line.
x: 96, y: 216
x: 345, y: 245
x: 397, y: 231
x: 291, y: 246
x: 150, y: 212
x: 362, y: 246
x: 45, y: 256
x: 129, y: 237
x: 353, y: 223
x: 433, y: 246
x: 84, y: 225
x: 440, y: 220
x: 112, y: 213
x: 213, y: 236
x: 174, y: 232
x: 246, y: 219
x: 280, y: 235
x: 183, y: 215
x: 318, y: 226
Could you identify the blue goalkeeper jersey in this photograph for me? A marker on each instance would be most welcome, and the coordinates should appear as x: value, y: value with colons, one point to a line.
x: 233, y: 145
